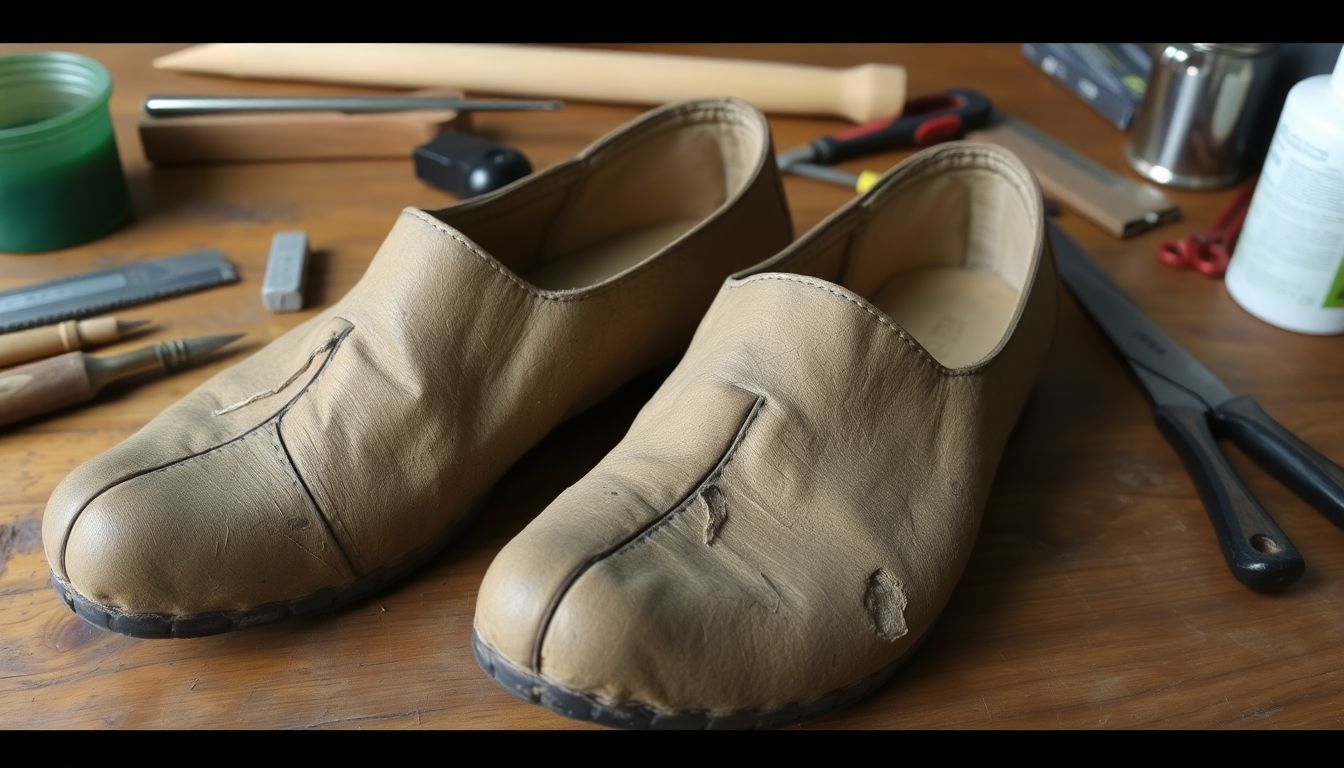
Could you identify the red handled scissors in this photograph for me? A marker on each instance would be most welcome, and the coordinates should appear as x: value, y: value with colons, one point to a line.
x: 1208, y: 253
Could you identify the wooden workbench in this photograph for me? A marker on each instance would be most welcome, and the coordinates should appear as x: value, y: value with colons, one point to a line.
x: 1096, y: 596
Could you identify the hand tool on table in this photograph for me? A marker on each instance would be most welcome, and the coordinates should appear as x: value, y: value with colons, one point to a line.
x: 69, y: 336
x: 93, y: 293
x: 1111, y: 201
x: 74, y: 377
x: 859, y: 94
x: 178, y: 106
x: 1209, y: 252
x: 246, y: 137
x: 468, y: 165
x: 1193, y: 406
x: 922, y: 121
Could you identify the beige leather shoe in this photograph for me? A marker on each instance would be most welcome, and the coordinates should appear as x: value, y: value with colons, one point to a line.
x: 791, y: 510
x: 350, y: 449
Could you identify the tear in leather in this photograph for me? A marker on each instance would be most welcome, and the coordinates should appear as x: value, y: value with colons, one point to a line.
x: 327, y: 345
x: 885, y: 601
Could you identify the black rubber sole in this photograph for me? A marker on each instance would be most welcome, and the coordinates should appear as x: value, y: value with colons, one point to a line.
x: 164, y: 625
x: 536, y: 689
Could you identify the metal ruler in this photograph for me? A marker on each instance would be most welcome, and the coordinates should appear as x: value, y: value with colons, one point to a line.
x: 1120, y: 206
x: 93, y: 293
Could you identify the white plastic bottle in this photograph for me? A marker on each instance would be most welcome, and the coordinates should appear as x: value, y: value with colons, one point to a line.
x: 1288, y: 265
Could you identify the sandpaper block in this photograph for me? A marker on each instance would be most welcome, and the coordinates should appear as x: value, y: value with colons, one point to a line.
x: 246, y: 137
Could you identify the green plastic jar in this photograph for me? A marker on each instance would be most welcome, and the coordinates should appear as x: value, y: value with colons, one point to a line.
x: 60, y: 177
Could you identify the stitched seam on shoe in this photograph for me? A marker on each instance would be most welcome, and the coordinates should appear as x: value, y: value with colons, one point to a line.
x: 322, y: 515
x: 721, y: 113
x: 900, y: 332
x: 545, y: 186
x: 728, y: 210
x: 521, y: 199
x: 74, y: 520
x: 707, y: 228
x: 605, y: 152
x: 642, y: 534
x: 917, y: 171
x: 843, y: 228
x: 908, y: 175
x: 696, y: 115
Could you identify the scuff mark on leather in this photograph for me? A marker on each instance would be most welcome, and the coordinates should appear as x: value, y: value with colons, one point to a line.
x: 715, y: 512
x: 957, y: 488
x: 22, y: 536
x: 325, y: 346
x: 885, y: 601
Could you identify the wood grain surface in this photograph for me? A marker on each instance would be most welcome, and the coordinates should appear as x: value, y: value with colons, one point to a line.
x: 1096, y: 596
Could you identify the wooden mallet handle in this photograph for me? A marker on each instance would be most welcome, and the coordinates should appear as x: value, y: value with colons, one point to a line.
x: 859, y: 93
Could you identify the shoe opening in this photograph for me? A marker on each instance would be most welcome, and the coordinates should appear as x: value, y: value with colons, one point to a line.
x: 944, y: 246
x: 627, y: 197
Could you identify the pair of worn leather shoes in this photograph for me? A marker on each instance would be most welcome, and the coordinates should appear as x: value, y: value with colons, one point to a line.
x: 779, y: 528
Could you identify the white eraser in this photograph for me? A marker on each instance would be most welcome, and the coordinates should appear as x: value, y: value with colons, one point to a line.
x: 286, y: 271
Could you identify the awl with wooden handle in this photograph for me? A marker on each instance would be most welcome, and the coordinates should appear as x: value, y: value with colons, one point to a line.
x: 859, y: 93
x: 74, y: 377
x: 69, y: 336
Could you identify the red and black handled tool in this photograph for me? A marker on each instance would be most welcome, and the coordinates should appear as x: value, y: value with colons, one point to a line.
x: 923, y: 121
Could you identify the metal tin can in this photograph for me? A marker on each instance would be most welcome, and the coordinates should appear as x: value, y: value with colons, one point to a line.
x: 1199, y: 113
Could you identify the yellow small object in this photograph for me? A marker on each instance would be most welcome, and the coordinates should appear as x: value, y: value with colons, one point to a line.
x: 866, y: 181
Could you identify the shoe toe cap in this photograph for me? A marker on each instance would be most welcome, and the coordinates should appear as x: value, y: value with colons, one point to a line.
x: 230, y: 529
x: 670, y: 628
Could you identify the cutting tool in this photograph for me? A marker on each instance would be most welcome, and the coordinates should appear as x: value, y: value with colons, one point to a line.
x: 1192, y: 407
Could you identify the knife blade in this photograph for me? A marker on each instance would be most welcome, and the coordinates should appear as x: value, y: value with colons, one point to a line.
x: 1153, y: 355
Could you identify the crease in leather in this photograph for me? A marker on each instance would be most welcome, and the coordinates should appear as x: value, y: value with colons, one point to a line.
x: 317, y: 508
x: 643, y: 534
x: 74, y: 519
x: 858, y: 301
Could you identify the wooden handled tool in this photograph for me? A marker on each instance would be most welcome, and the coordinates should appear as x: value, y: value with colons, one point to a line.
x: 69, y: 336
x: 46, y: 385
x: 859, y: 93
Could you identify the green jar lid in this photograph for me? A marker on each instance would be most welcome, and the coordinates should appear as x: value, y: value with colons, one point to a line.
x: 61, y: 182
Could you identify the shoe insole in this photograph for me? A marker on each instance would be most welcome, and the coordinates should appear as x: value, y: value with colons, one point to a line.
x: 612, y: 256
x: 958, y: 315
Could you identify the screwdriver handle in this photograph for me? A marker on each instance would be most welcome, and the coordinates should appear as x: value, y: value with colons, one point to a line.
x: 37, y: 388
x: 926, y: 120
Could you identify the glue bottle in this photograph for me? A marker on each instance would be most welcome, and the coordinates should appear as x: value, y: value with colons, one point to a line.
x: 1288, y: 266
